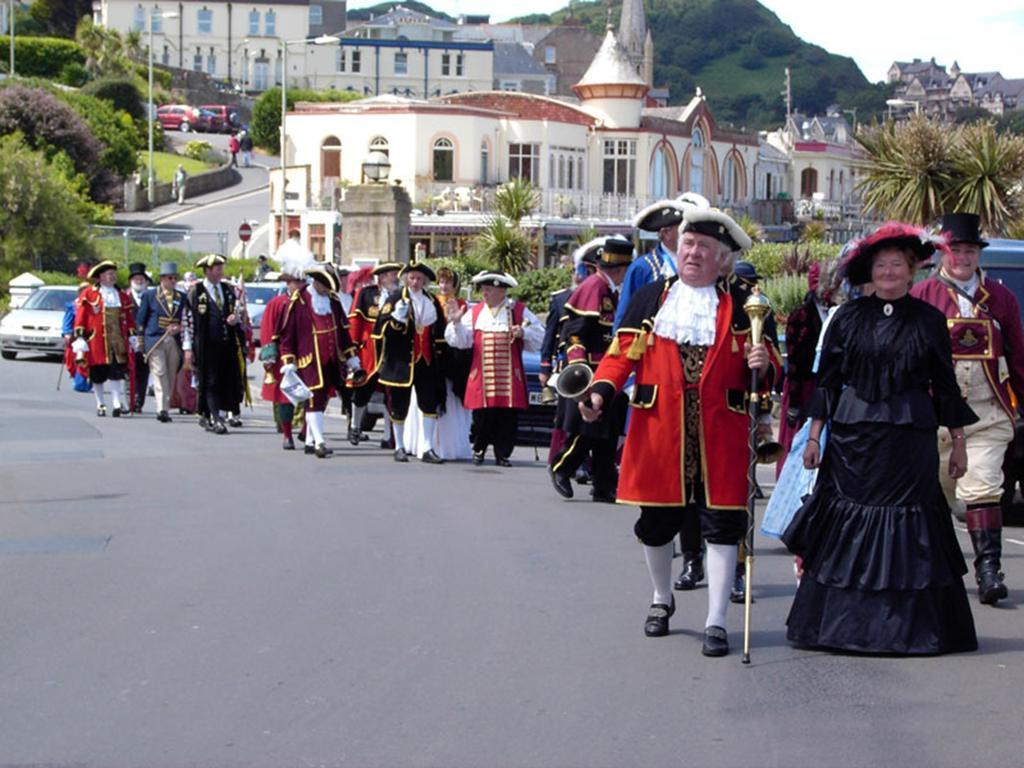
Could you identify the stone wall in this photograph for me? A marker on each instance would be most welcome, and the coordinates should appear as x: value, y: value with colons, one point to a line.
x: 200, y: 184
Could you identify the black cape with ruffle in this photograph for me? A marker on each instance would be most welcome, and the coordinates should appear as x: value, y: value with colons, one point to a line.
x: 883, y: 571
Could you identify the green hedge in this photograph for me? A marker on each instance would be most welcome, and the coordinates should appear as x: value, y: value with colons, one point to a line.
x: 265, y: 126
x: 40, y: 56
x: 770, y: 258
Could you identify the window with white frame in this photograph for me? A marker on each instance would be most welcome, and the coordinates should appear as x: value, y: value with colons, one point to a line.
x: 444, y: 160
x: 156, y: 20
x: 379, y: 144
x: 401, y: 63
x: 270, y: 23
x: 339, y: 59
x: 197, y: 60
x: 458, y: 64
x: 732, y: 179
x: 139, y: 19
x: 165, y: 57
x: 524, y: 162
x: 485, y: 162
x: 550, y: 54
x: 316, y: 15
x: 211, y: 62
x: 254, y: 22
x: 446, y: 64
x: 563, y: 166
x: 661, y: 174
x: 620, y: 167
x: 357, y: 61
x: 204, y: 21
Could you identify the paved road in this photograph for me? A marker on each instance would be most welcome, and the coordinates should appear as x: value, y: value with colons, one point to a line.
x: 173, y: 598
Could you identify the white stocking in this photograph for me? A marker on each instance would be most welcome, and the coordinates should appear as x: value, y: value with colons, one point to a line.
x: 399, y: 430
x: 357, y: 417
x: 117, y: 392
x: 315, y: 430
x: 100, y: 390
x: 659, y: 566
x: 721, y: 565
x: 429, y: 428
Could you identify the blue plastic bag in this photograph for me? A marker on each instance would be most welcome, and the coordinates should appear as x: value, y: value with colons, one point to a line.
x: 794, y: 484
x: 81, y: 383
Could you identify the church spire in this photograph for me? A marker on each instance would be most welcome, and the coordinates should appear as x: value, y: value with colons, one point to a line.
x: 633, y: 32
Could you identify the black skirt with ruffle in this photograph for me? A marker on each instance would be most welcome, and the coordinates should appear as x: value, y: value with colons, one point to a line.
x: 883, y: 571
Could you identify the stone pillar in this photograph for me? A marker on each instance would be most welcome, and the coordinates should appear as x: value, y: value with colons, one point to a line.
x: 375, y: 223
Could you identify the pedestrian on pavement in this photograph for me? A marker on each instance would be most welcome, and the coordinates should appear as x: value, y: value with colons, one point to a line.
x: 262, y: 268
x: 218, y: 353
x: 314, y: 343
x: 160, y: 317
x: 988, y: 354
x: 497, y: 330
x: 245, y: 145
x: 233, y: 146
x: 411, y: 329
x: 882, y: 569
x: 139, y: 283
x: 179, y: 184
x: 586, y: 333
x: 687, y: 339
x: 104, y: 326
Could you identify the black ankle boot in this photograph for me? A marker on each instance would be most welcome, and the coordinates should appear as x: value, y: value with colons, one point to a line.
x: 985, y: 527
x: 693, y: 571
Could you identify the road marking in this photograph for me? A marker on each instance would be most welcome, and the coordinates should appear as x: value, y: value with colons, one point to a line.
x: 214, y: 203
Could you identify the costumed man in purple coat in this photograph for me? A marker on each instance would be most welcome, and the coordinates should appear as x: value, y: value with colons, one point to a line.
x: 314, y: 343
x: 988, y: 351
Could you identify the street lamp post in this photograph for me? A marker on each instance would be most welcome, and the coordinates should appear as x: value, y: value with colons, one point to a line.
x: 151, y: 180
x: 321, y: 40
x: 10, y: 24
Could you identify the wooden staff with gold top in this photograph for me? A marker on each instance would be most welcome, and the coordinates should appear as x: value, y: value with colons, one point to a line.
x: 757, y: 308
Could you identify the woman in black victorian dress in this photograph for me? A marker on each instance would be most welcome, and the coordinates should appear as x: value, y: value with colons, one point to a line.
x: 883, y: 571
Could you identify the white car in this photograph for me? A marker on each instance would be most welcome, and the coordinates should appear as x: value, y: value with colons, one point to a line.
x: 37, y: 324
x: 257, y: 296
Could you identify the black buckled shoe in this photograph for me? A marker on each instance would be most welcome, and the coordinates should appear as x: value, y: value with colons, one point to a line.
x: 388, y: 444
x: 562, y: 484
x: 288, y: 444
x: 116, y: 413
x: 204, y: 423
x: 716, y: 641
x: 101, y: 411
x: 309, y: 450
x: 234, y: 421
x: 219, y: 427
x: 658, y: 615
x: 401, y: 456
x: 692, y: 574
x: 322, y: 451
x: 431, y: 458
x: 501, y: 461
x: 602, y: 497
x: 354, y: 436
x: 163, y: 418
x: 478, y: 458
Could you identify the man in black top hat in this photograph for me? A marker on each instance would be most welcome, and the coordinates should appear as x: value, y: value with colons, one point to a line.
x: 218, y: 345
x: 410, y: 328
x: 585, y: 335
x: 988, y: 353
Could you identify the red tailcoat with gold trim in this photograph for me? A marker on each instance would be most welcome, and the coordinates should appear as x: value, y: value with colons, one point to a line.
x: 318, y: 345
x: 651, y: 472
x: 361, y: 319
x: 496, y: 378
x: 90, y: 325
x: 270, y: 331
x: 995, y: 332
x: 587, y: 320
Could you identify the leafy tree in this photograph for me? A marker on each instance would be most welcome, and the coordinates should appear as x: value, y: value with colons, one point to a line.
x: 516, y: 199
x: 40, y: 56
x: 265, y: 125
x: 751, y: 58
x: 504, y: 245
x: 987, y: 172
x: 536, y: 286
x: 121, y: 92
x: 966, y: 115
x: 59, y: 17
x: 105, y: 51
x: 42, y: 217
x: 121, y: 136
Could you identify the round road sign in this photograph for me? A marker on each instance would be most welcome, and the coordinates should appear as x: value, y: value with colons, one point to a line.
x: 245, y: 232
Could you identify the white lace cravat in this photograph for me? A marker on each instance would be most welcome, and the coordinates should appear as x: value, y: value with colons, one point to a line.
x: 321, y: 304
x: 111, y: 296
x: 688, y: 315
x: 423, y: 310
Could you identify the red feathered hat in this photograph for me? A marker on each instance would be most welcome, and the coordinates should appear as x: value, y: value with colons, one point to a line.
x: 359, y: 277
x: 893, y: 233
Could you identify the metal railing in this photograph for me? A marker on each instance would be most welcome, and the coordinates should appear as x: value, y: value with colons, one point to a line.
x: 151, y: 245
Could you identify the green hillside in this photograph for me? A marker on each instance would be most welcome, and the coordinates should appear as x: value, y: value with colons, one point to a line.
x: 737, y: 52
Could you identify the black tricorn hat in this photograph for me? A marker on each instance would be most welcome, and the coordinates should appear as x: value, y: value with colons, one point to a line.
x: 416, y: 266
x: 962, y: 228
x: 664, y: 213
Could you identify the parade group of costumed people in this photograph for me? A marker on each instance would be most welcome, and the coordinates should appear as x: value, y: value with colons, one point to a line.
x: 664, y: 388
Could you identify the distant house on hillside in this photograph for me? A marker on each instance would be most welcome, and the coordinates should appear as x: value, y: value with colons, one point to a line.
x: 928, y: 87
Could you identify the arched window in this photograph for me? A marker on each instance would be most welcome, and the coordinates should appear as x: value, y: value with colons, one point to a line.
x: 732, y: 179
x: 808, y: 182
x: 697, y: 162
x: 579, y: 173
x: 330, y: 158
x: 660, y: 179
x: 379, y: 144
x: 444, y: 160
x: 561, y: 171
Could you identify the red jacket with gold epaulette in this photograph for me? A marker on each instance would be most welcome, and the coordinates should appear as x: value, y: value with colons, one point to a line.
x: 361, y: 319
x: 90, y: 323
x: 651, y: 472
x: 587, y: 321
x: 993, y: 335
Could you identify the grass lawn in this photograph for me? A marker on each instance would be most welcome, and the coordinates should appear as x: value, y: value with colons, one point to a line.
x: 166, y: 163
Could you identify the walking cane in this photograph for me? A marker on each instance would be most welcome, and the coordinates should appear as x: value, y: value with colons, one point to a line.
x: 757, y: 308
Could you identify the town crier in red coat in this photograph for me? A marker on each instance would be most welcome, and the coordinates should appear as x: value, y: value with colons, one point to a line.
x: 984, y: 324
x: 105, y: 337
x: 270, y: 353
x: 497, y: 329
x: 314, y: 343
x: 687, y: 339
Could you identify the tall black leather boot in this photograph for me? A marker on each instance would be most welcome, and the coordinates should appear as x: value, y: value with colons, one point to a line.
x: 985, y: 524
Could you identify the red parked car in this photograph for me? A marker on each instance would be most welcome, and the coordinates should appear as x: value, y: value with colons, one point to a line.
x: 182, y: 117
x: 227, y: 116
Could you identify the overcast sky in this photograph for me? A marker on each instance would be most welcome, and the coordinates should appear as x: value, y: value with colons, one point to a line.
x: 983, y: 35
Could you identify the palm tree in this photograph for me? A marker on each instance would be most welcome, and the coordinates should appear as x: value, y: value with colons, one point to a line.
x: 516, y: 199
x: 909, y: 173
x: 988, y: 169
x: 504, y: 245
